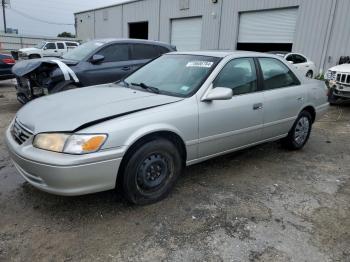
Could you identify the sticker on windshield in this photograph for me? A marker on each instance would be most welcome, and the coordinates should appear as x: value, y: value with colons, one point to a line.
x: 185, y: 88
x: 204, y: 64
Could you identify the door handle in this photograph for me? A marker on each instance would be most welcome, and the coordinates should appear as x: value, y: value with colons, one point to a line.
x: 258, y: 106
x: 126, y: 68
x: 300, y: 98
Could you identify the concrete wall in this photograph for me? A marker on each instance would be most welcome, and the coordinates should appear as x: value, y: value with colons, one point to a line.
x: 322, y: 33
x: 10, y: 42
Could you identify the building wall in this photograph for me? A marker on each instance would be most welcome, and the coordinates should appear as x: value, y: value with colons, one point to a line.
x: 322, y: 30
x: 209, y: 12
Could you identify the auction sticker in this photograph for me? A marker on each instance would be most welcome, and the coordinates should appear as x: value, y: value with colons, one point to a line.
x: 204, y: 64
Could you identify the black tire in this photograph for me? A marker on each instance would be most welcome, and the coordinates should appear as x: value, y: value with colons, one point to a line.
x: 34, y: 56
x: 332, y: 99
x: 151, y: 171
x: 310, y: 74
x: 295, y: 142
x: 68, y: 87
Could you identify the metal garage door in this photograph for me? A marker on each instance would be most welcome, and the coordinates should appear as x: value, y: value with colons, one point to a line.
x: 186, y: 34
x: 268, y: 26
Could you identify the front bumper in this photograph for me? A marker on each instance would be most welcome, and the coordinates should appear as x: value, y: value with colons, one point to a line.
x: 63, y: 174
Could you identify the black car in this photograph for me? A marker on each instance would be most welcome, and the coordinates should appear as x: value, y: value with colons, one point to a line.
x: 6, y: 64
x: 95, y: 62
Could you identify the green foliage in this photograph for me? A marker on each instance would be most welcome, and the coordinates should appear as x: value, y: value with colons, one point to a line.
x: 66, y: 34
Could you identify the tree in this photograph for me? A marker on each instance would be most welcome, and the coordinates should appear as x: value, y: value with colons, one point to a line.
x: 66, y: 34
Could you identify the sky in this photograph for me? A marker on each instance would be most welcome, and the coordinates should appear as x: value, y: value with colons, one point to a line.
x: 19, y: 14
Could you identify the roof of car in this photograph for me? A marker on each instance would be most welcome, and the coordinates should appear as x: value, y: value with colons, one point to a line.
x: 223, y: 53
x: 128, y: 40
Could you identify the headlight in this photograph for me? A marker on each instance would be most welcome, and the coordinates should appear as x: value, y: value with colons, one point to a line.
x: 68, y: 143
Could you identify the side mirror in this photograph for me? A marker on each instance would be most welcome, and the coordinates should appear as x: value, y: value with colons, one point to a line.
x: 45, y: 48
x: 95, y: 59
x: 219, y: 93
x: 291, y: 62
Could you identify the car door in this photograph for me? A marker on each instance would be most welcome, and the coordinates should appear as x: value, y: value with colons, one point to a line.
x: 50, y: 50
x: 61, y: 48
x: 114, y: 66
x: 229, y: 124
x: 283, y: 97
x: 301, y: 63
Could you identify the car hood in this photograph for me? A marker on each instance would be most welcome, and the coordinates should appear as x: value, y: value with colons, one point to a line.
x: 341, y: 68
x: 75, y: 109
x: 28, y: 49
x: 25, y: 67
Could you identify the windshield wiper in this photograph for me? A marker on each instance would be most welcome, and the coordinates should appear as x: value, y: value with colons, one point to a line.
x: 124, y: 82
x: 150, y: 88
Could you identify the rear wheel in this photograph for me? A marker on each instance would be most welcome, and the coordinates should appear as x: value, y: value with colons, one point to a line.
x: 151, y: 171
x: 309, y: 74
x: 300, y: 132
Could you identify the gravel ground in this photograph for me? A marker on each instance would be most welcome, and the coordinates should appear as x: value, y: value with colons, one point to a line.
x: 260, y: 204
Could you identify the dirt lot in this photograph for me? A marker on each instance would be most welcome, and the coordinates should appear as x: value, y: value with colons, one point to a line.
x: 262, y: 204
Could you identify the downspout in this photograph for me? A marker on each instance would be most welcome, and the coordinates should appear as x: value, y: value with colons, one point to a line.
x: 328, y: 36
x: 219, y: 35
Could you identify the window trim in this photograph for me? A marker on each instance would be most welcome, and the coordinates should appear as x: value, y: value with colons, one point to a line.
x: 258, y: 84
x: 262, y: 75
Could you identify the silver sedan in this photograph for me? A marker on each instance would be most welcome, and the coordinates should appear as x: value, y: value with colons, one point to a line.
x: 180, y: 109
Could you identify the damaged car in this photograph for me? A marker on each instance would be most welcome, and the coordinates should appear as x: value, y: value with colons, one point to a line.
x: 338, y: 82
x: 178, y: 110
x: 93, y: 63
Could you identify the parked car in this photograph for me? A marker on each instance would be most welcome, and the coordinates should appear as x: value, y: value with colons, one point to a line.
x: 92, y: 63
x: 6, y: 64
x: 338, y: 81
x: 45, y: 49
x: 301, y: 62
x: 179, y: 109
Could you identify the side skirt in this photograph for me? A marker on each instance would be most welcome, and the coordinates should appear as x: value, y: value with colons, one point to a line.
x: 198, y: 160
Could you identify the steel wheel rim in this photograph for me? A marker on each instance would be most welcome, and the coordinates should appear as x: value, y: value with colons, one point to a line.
x: 153, y: 172
x: 302, y: 130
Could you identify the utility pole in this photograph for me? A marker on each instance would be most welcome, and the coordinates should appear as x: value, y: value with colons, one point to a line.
x: 4, y: 14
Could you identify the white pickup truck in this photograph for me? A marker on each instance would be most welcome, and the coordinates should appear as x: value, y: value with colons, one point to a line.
x: 47, y: 49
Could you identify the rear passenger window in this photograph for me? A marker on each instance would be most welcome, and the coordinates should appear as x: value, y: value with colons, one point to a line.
x: 142, y: 51
x: 115, y: 53
x: 60, y: 45
x: 276, y: 74
x: 238, y: 74
x: 162, y: 50
x: 298, y: 59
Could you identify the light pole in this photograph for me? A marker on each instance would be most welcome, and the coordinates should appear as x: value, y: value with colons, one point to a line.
x: 4, y: 14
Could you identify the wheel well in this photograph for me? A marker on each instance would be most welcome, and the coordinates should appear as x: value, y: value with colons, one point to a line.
x: 168, y: 135
x: 34, y: 55
x: 312, y: 112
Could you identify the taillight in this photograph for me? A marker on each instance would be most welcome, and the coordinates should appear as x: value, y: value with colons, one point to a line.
x: 9, y: 61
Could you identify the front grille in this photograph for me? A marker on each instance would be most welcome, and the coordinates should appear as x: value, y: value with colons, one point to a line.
x: 20, y: 133
x: 343, y: 78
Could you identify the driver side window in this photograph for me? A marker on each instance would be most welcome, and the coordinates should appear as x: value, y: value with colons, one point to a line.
x: 239, y: 75
x: 115, y: 53
x: 50, y: 46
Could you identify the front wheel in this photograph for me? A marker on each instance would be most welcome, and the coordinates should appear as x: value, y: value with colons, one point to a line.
x: 151, y: 172
x: 300, y: 132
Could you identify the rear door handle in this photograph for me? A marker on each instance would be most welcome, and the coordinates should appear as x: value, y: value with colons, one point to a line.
x: 258, y: 106
x: 300, y: 98
x: 126, y: 68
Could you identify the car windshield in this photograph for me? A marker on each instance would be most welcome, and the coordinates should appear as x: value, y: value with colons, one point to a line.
x: 40, y: 45
x: 178, y: 75
x: 80, y: 52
